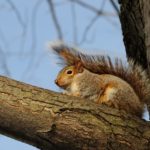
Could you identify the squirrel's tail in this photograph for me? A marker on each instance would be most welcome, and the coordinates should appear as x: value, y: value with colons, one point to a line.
x: 132, y: 73
x: 138, y: 78
x: 68, y: 55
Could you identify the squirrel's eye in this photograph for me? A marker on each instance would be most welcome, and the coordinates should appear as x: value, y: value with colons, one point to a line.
x: 69, y: 72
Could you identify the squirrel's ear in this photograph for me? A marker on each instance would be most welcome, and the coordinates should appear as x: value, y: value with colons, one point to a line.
x: 79, y: 67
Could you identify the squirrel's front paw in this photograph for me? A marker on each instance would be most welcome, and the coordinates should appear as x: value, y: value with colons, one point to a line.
x: 77, y: 94
x: 66, y: 93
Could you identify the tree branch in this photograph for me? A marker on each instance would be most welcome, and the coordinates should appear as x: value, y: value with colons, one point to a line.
x: 17, y: 13
x: 115, y: 6
x: 49, y: 120
x: 55, y: 19
x: 93, y: 9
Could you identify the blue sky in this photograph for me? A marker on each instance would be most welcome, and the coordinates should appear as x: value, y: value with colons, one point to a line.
x: 26, y: 54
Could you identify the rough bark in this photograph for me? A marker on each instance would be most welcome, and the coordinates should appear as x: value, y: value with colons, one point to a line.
x: 135, y: 21
x: 49, y: 120
x: 146, y: 16
x: 136, y: 29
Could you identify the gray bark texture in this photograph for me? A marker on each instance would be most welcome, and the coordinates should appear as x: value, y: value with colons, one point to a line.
x: 51, y: 120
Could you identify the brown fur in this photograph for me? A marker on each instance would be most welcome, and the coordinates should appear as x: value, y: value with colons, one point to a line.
x: 132, y: 74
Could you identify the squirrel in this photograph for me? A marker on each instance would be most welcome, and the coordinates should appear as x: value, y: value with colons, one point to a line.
x: 96, y: 78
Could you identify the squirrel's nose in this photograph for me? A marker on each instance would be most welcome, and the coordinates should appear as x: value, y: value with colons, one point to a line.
x: 56, y: 81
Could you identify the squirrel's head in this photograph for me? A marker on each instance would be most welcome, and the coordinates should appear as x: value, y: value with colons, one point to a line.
x: 66, y: 75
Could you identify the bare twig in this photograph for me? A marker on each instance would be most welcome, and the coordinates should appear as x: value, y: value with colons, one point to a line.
x: 93, y: 20
x: 74, y: 20
x: 3, y: 39
x: 83, y: 4
x: 55, y: 19
x: 112, y: 22
x: 23, y: 40
x: 3, y: 63
x: 115, y: 7
x: 102, y: 4
x: 16, y: 11
x: 88, y: 27
x: 93, y: 9
x: 22, y: 22
x: 60, y: 3
x: 34, y: 37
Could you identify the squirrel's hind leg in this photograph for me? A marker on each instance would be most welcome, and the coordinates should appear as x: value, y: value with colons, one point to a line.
x: 108, y: 96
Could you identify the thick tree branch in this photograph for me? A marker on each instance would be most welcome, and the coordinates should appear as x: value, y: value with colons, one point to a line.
x: 49, y: 120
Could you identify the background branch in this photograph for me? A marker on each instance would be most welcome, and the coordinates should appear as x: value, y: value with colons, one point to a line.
x: 93, y: 9
x: 17, y: 13
x: 55, y: 19
x: 115, y: 7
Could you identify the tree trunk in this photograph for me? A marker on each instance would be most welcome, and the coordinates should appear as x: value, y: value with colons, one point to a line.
x: 50, y: 120
x: 135, y: 23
